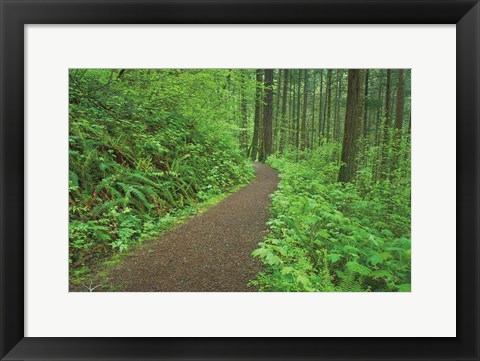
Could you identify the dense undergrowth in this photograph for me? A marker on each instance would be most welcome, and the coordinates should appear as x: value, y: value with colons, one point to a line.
x: 139, y: 156
x: 150, y: 147
x: 334, y: 237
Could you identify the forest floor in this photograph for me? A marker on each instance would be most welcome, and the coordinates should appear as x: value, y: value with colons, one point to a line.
x: 210, y: 252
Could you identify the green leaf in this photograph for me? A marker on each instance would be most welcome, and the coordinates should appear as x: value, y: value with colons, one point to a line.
x: 380, y: 274
x: 304, y: 281
x: 387, y: 233
x: 311, y: 219
x: 322, y: 234
x: 351, y: 249
x: 407, y: 287
x: 334, y: 257
x: 375, y: 259
x: 287, y: 270
x: 358, y: 268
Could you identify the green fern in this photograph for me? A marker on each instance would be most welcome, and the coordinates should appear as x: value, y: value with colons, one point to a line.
x: 140, y: 196
x: 349, y: 282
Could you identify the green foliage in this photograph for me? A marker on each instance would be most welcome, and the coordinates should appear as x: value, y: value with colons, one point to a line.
x: 143, y: 145
x: 332, y: 237
x: 146, y: 147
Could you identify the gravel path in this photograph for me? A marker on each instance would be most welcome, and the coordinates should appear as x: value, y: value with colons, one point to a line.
x: 211, y: 251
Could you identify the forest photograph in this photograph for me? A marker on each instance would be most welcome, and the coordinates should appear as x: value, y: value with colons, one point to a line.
x: 239, y: 180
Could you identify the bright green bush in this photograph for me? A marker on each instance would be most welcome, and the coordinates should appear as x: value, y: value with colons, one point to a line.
x: 330, y: 237
x: 141, y: 148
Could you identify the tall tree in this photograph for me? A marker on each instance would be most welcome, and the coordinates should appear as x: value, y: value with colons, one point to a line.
x: 297, y: 125
x: 256, y: 120
x: 304, y: 111
x: 312, y: 125
x: 329, y: 97
x: 277, y: 108
x: 352, y: 124
x: 291, y: 122
x: 244, y: 114
x: 338, y: 95
x: 384, y: 163
x: 283, y: 123
x: 320, y: 133
x: 378, y: 132
x: 387, y: 105
x: 267, y: 115
x: 400, y: 100
x: 365, y: 109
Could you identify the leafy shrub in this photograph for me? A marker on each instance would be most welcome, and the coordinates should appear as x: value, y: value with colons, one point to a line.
x: 328, y: 236
x: 143, y: 146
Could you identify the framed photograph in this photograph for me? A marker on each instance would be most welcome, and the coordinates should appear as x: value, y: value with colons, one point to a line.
x: 239, y: 180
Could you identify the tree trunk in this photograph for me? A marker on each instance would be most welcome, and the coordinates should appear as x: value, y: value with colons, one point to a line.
x: 384, y: 164
x: 304, y: 111
x: 297, y: 126
x: 267, y: 115
x: 244, y: 114
x: 320, y: 108
x: 378, y: 132
x: 329, y: 96
x: 256, y: 121
x: 277, y: 109
x: 283, y: 124
x: 400, y: 101
x: 365, y: 109
x: 352, y: 124
x: 312, y: 127
x: 338, y: 93
x: 387, y: 106
x: 291, y: 110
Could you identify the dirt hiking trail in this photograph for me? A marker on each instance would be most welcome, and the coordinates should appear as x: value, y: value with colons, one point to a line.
x: 209, y: 252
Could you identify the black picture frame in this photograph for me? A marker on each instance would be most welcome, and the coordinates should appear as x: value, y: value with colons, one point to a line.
x: 17, y: 13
